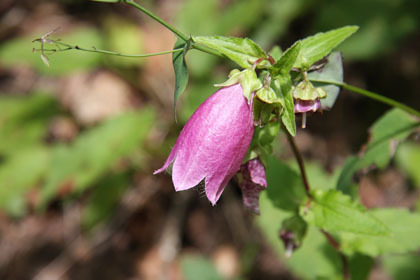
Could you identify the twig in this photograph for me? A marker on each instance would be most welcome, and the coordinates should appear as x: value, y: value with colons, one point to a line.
x: 301, y: 164
x: 334, y: 243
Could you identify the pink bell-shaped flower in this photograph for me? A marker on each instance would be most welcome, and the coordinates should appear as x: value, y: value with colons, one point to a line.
x: 213, y: 143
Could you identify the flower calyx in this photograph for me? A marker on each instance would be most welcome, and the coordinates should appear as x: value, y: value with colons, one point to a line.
x: 246, y: 78
x: 307, y: 98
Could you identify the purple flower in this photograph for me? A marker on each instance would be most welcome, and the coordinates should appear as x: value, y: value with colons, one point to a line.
x: 253, y: 182
x: 303, y: 106
x: 213, y: 143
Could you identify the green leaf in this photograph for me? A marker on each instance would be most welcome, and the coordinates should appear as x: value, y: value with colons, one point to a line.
x: 335, y: 212
x: 19, y: 174
x: 331, y: 71
x: 194, y: 267
x: 276, y: 52
x: 360, y: 266
x: 402, y: 267
x: 287, y: 60
x: 392, y: 127
x: 282, y: 85
x: 243, y: 51
x: 104, y: 199
x: 315, y: 47
x: 92, y: 154
x: 262, y: 140
x: 408, y: 160
x: 180, y: 67
x: 24, y: 121
x: 286, y: 190
x: 405, y: 236
x: 314, y: 259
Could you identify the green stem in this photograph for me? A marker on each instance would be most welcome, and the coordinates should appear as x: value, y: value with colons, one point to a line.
x: 71, y: 47
x: 372, y: 95
x: 158, y: 19
x: 173, y: 29
x: 300, y: 162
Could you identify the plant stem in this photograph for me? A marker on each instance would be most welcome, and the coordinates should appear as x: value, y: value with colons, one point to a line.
x: 372, y: 95
x: 158, y: 19
x: 334, y: 243
x: 173, y: 29
x: 71, y: 47
x: 300, y: 162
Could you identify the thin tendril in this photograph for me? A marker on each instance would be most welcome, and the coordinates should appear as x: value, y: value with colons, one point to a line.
x: 94, y: 50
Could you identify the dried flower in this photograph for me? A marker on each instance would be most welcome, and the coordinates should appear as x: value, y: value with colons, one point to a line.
x: 253, y: 182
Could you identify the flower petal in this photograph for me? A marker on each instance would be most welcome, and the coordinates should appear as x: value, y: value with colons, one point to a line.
x: 302, y: 106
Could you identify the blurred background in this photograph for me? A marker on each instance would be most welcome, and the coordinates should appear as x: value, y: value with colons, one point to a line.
x: 79, y: 140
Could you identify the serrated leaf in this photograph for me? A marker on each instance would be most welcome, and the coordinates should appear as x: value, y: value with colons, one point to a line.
x: 405, y: 236
x: 243, y: 51
x: 316, y: 47
x: 331, y: 71
x: 180, y: 68
x: 335, y: 212
x: 315, y: 259
x: 386, y: 132
x: 282, y: 85
x: 286, y: 61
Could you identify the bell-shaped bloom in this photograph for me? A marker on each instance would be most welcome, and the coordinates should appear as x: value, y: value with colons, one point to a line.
x: 253, y: 182
x: 303, y: 106
x: 307, y: 97
x: 213, y: 143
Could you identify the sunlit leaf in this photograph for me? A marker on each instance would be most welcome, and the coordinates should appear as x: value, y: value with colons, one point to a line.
x: 315, y: 47
x: 335, y: 212
x: 405, y: 237
x: 243, y: 51
x: 287, y: 60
